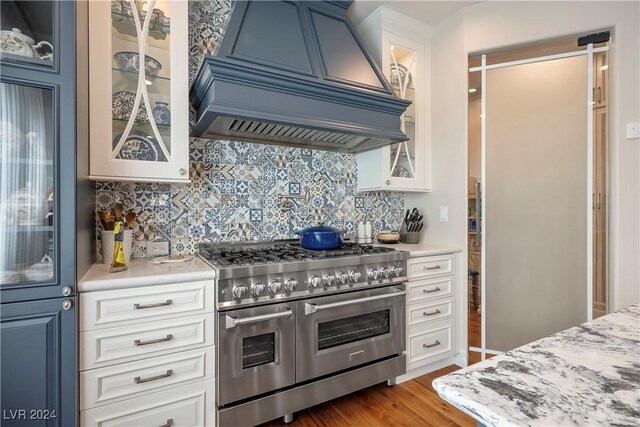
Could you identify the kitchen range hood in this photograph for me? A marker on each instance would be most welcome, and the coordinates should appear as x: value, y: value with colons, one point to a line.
x: 296, y: 74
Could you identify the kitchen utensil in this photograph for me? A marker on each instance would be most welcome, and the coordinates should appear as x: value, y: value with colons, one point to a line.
x: 420, y: 226
x: 101, y: 218
x: 406, y: 215
x: 387, y: 236
x: 129, y: 219
x: 172, y: 259
x: 412, y: 238
x: 119, y: 209
x: 15, y: 42
x: 320, y: 237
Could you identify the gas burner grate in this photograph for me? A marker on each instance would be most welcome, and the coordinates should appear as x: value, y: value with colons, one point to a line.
x: 279, y: 253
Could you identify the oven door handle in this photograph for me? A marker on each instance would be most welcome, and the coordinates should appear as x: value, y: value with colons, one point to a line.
x: 232, y: 322
x: 312, y: 308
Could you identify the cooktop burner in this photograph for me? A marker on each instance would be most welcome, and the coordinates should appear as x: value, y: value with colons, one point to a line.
x: 258, y: 253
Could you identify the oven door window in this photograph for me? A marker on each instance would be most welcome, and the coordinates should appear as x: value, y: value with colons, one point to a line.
x: 258, y: 350
x: 351, y: 329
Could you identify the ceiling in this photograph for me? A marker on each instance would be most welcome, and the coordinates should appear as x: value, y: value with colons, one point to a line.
x: 427, y: 11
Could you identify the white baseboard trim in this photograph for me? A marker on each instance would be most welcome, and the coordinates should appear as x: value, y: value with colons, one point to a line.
x: 423, y: 370
x: 461, y: 359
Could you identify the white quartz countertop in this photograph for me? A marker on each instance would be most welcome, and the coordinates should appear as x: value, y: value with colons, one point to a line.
x: 423, y: 249
x: 143, y: 272
x: 587, y: 375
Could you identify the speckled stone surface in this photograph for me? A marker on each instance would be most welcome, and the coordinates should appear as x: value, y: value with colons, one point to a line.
x: 588, y: 375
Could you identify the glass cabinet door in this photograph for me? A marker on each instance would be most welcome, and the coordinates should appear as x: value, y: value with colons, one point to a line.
x: 27, y: 182
x: 27, y: 32
x: 141, y: 92
x: 402, y: 76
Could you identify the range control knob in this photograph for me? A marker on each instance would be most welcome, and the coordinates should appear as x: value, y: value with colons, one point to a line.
x: 275, y: 286
x: 240, y: 291
x: 291, y: 284
x: 257, y: 289
x: 374, y: 274
x: 385, y: 272
x: 398, y: 271
x: 314, y: 281
x: 342, y: 277
x: 354, y: 276
x: 329, y: 280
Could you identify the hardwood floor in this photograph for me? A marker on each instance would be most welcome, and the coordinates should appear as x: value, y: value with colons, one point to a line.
x: 413, y: 403
x: 475, y: 328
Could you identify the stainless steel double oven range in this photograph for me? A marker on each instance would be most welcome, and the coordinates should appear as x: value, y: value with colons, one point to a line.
x: 296, y: 327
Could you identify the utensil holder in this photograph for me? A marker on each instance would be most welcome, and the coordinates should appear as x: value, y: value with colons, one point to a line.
x: 403, y: 232
x: 412, y: 238
x: 107, y: 245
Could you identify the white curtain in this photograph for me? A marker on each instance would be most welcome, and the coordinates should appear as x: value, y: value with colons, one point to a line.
x: 24, y: 238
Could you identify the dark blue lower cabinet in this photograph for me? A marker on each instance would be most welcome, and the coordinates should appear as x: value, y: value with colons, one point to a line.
x: 38, y: 376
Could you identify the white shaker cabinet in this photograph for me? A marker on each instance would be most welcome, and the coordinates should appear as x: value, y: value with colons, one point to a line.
x: 400, y: 45
x: 139, y: 121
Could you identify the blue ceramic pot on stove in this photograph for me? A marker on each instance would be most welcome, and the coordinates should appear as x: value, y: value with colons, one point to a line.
x: 320, y: 237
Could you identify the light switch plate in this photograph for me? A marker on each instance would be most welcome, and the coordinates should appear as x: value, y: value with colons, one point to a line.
x: 633, y: 130
x: 444, y: 215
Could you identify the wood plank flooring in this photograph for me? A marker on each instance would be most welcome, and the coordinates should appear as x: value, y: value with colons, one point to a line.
x: 413, y: 403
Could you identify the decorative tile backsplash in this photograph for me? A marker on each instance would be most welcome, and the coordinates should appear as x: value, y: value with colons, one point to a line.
x: 234, y: 189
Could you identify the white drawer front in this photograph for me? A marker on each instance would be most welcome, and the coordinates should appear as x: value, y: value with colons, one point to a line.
x: 426, y: 290
x: 429, y: 312
x: 191, y: 405
x: 106, y: 347
x: 128, y: 306
x: 428, y: 345
x: 119, y: 382
x: 430, y: 266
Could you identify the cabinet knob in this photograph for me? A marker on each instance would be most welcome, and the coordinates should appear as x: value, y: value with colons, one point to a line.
x: 183, y: 171
x: 67, y: 304
x: 388, y: 182
x: 66, y: 291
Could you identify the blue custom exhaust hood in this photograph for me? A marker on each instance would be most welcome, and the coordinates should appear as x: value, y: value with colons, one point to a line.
x: 295, y: 73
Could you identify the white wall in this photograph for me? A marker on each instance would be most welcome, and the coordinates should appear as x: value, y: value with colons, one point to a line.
x: 492, y: 25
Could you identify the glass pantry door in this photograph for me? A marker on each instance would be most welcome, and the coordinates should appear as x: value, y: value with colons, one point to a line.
x: 535, y: 211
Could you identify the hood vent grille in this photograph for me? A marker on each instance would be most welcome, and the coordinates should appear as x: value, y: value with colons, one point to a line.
x: 272, y: 130
x: 295, y: 73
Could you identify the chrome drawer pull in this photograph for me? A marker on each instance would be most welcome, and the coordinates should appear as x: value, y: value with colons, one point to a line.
x: 436, y: 289
x: 232, y: 322
x: 169, y: 337
x: 139, y: 380
x: 158, y: 304
x: 312, y: 308
x: 433, y: 313
x: 431, y: 345
x: 169, y: 423
x: 431, y: 268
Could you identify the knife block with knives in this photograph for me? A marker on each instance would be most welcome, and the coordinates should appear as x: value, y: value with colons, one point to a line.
x: 412, y: 224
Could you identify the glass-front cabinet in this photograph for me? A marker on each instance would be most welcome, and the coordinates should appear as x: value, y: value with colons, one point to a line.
x: 139, y: 107
x: 28, y: 33
x: 38, y: 213
x: 400, y: 45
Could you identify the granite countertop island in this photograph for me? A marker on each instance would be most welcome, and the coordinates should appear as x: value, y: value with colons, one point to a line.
x: 587, y: 375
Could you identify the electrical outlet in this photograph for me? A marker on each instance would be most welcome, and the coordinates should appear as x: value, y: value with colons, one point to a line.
x: 157, y: 248
x: 444, y: 215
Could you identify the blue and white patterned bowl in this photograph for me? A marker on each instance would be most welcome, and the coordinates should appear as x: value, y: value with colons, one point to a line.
x: 122, y: 106
x: 130, y: 61
x: 141, y: 146
x: 162, y: 114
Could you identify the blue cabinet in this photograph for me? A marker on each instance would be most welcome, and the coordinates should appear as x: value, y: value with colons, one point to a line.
x: 38, y: 213
x: 38, y: 363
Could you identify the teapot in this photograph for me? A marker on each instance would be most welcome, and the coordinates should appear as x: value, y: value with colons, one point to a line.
x: 19, y: 44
